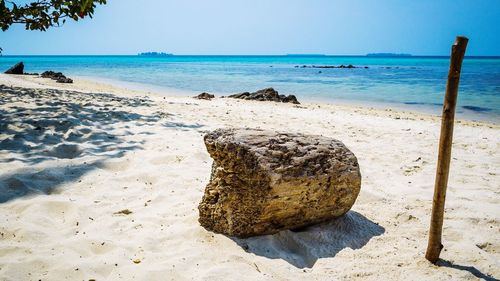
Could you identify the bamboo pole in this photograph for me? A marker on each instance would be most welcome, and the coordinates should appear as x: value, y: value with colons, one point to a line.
x: 445, y: 141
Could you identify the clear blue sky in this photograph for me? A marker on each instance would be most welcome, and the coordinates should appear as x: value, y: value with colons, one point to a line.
x: 423, y: 27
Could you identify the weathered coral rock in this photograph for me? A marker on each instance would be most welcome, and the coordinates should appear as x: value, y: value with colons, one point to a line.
x: 263, y: 182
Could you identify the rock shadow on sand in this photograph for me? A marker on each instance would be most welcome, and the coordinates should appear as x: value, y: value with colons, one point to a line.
x: 303, y: 248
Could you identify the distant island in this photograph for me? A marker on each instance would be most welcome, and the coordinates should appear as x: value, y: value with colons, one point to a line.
x: 155, y: 54
x: 305, y: 55
x: 387, y: 55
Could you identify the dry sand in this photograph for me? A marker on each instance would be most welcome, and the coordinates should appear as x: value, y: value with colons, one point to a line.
x: 106, y: 187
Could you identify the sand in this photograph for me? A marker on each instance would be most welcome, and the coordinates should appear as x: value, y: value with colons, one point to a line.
x: 106, y: 187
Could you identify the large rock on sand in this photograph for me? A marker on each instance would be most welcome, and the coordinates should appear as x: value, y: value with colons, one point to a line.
x: 58, y: 76
x: 18, y: 68
x: 267, y: 94
x: 263, y: 182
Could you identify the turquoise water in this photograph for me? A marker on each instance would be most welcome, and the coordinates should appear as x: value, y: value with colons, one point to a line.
x: 413, y: 82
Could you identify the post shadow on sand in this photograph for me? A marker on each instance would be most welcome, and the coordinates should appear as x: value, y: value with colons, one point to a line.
x: 474, y: 271
x: 64, y: 125
x: 303, y: 248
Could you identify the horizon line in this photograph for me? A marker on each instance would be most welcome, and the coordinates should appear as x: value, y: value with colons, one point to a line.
x: 244, y: 55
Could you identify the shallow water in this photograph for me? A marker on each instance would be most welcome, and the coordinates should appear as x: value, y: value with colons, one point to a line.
x: 416, y: 83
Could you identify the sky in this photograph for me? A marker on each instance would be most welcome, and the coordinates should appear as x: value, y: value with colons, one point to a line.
x: 272, y: 27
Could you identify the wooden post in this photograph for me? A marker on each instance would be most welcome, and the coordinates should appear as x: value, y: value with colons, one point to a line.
x: 445, y: 141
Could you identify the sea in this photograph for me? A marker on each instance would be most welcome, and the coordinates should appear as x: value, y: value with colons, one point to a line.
x: 415, y: 83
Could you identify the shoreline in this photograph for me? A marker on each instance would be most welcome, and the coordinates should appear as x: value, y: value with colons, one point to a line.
x: 424, y: 109
x: 103, y: 182
x: 87, y: 83
x: 395, y: 83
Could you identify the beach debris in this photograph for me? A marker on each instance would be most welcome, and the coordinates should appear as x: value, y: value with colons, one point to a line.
x: 123, y: 212
x: 204, y: 96
x: 263, y: 182
x: 486, y: 246
x: 18, y: 68
x: 267, y: 94
x: 58, y: 76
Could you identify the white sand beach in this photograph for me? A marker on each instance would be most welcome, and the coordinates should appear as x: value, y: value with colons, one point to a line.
x: 100, y: 182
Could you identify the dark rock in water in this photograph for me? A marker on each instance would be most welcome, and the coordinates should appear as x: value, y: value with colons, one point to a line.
x: 476, y: 108
x: 334, y: 66
x: 267, y: 94
x: 18, y: 68
x: 263, y: 182
x: 58, y: 76
x: 34, y: 73
x: 204, y: 96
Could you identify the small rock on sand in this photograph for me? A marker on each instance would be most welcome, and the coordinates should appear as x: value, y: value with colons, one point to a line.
x: 123, y: 212
x: 204, y: 96
x: 58, y: 76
